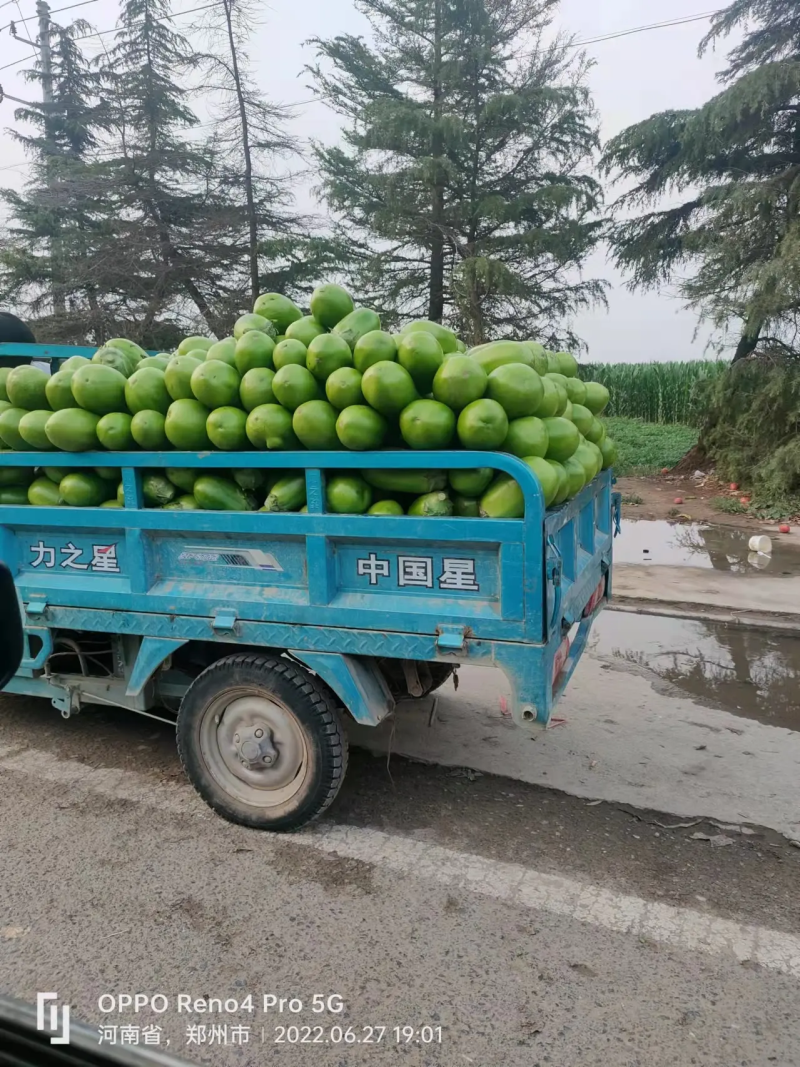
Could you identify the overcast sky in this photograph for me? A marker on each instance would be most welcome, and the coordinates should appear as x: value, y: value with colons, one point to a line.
x: 632, y: 78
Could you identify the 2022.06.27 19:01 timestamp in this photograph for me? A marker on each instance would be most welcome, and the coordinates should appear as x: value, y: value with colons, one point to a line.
x: 355, y: 1035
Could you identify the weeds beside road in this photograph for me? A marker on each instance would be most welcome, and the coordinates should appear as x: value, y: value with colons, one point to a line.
x: 647, y: 447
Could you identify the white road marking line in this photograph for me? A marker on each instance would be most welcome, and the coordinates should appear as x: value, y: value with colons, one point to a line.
x: 681, y: 928
x: 179, y: 799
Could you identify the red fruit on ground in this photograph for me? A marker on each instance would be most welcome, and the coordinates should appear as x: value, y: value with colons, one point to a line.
x: 678, y: 500
x: 784, y: 528
x: 734, y: 486
x: 665, y: 470
x: 744, y: 499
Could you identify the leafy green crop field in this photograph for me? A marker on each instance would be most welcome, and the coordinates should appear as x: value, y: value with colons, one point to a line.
x: 647, y: 447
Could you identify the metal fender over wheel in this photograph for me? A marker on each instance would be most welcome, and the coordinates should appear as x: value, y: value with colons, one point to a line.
x: 262, y: 741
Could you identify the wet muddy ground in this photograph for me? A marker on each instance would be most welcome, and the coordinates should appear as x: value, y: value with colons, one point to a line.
x: 710, y: 546
x: 750, y: 673
x: 753, y: 674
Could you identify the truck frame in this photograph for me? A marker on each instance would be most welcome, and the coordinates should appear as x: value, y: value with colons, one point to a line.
x: 267, y: 630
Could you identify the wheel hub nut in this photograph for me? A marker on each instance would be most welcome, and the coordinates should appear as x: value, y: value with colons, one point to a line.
x: 255, y: 748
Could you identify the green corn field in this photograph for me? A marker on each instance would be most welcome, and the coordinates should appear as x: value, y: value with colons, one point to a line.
x: 655, y: 392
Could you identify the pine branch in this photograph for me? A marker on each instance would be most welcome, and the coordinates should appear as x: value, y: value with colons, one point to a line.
x: 455, y: 152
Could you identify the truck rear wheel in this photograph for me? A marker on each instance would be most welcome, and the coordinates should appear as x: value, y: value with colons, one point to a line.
x: 262, y: 742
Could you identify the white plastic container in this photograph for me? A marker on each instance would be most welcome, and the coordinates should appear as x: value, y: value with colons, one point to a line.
x: 761, y: 543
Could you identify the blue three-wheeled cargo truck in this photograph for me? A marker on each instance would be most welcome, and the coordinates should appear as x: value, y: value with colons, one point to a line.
x: 266, y: 631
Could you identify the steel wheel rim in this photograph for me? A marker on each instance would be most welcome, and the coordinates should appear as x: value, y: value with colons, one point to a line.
x: 237, y: 758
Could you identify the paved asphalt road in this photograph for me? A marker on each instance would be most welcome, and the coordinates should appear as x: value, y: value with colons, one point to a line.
x: 519, y: 925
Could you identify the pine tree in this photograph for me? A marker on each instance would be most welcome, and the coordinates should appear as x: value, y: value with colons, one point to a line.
x: 250, y: 140
x: 167, y: 225
x: 199, y: 221
x: 460, y: 192
x: 732, y: 245
x: 137, y: 221
x: 44, y: 258
x: 255, y: 168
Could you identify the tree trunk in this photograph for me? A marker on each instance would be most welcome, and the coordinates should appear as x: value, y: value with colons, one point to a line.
x: 202, y: 306
x: 750, y: 335
x: 90, y: 289
x: 476, y: 330
x: 472, y: 308
x: 56, y: 249
x: 252, y: 221
x: 98, y: 332
x: 436, y: 300
x: 151, y: 205
x: 170, y: 255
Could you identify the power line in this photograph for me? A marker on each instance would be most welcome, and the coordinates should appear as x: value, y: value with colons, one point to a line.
x: 16, y: 62
x: 14, y: 33
x: 30, y: 18
x: 177, y: 14
x: 577, y: 44
x: 644, y: 29
x: 69, y: 7
x: 112, y: 29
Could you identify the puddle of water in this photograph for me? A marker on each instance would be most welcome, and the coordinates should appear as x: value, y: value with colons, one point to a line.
x: 720, y: 548
x: 750, y: 673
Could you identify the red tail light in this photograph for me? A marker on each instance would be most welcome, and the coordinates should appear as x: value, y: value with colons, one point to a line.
x: 595, y: 598
x: 561, y: 658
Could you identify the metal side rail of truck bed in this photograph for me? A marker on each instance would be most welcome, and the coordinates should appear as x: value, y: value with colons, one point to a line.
x: 264, y: 627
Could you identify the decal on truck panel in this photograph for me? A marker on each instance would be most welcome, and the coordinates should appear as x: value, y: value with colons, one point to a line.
x: 232, y: 557
x: 103, y: 559
x: 418, y: 572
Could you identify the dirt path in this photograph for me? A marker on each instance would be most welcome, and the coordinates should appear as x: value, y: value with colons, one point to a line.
x: 655, y: 497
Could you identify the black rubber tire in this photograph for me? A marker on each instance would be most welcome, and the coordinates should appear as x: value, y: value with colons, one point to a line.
x: 315, y: 710
x: 440, y: 672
